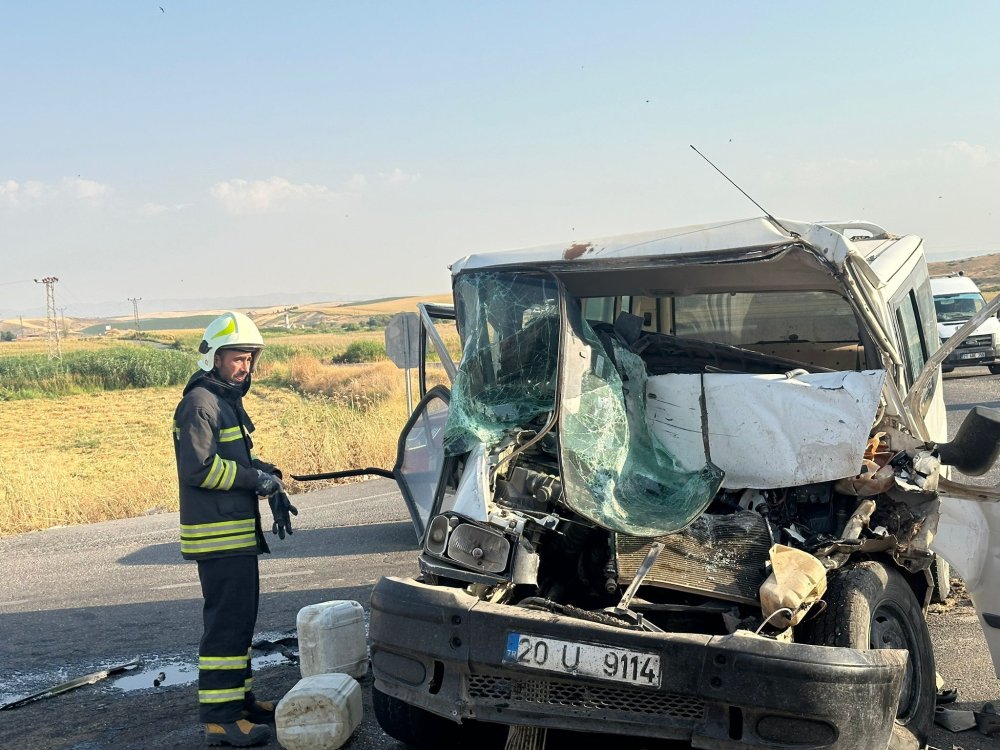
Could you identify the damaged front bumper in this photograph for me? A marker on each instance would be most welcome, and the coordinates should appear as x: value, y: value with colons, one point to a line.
x: 442, y: 650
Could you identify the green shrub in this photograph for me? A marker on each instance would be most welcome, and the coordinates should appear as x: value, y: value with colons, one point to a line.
x: 115, y: 368
x: 362, y: 351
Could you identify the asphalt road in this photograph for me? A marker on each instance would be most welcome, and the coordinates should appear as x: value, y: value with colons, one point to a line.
x: 76, y: 600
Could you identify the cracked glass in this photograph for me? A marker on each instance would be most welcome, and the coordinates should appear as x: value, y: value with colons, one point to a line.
x: 615, y: 471
x: 506, y: 380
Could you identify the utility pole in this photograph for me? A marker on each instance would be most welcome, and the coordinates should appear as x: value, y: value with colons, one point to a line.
x: 52, y: 330
x: 135, y: 310
x: 62, y: 318
x: 22, y: 326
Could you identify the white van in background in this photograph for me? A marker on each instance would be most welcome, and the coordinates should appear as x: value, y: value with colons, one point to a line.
x: 956, y: 300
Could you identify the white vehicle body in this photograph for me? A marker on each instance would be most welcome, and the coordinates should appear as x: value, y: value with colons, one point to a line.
x: 957, y: 299
x: 776, y: 380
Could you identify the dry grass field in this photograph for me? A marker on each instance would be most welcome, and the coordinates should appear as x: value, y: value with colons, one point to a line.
x: 39, y: 345
x: 94, y: 457
x: 108, y: 454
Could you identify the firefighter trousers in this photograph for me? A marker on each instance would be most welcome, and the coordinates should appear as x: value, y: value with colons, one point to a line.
x: 231, y: 588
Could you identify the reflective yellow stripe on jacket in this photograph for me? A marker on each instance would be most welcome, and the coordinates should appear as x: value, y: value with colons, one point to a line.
x: 222, y: 474
x: 199, y: 538
x: 229, y: 434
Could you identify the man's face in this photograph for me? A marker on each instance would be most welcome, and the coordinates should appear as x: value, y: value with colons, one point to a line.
x: 233, y: 365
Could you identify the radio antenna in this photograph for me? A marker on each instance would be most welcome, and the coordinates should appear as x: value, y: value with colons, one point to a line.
x: 766, y: 213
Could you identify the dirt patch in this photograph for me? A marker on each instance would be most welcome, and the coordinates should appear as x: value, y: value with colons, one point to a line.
x: 98, y: 717
x: 959, y: 597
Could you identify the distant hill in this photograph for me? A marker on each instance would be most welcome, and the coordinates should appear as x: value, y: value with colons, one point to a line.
x: 983, y: 269
x: 365, y: 313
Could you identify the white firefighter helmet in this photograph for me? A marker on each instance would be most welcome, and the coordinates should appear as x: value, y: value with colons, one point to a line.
x: 231, y: 330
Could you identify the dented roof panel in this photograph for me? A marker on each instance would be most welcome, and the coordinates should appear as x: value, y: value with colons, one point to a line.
x: 737, y: 236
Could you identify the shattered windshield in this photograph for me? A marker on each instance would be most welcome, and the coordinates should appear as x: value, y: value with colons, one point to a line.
x: 507, y: 376
x: 952, y: 308
x: 615, y: 471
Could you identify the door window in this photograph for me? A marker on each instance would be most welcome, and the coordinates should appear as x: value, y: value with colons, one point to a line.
x: 421, y: 456
x: 911, y: 336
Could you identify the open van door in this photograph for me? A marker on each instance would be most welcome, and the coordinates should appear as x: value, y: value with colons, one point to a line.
x: 413, y: 340
x: 434, y: 318
x: 420, y: 457
x: 968, y: 534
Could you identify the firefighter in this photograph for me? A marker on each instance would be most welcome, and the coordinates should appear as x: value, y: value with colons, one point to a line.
x: 220, y: 482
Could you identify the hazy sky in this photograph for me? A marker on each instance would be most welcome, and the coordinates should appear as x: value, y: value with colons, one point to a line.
x: 358, y: 148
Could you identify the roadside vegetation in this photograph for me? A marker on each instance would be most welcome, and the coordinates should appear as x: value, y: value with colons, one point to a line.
x: 87, y: 438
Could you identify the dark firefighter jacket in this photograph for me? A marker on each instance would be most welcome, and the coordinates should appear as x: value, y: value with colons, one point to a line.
x: 216, y: 471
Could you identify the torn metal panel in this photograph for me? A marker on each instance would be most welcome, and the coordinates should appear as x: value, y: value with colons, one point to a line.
x: 767, y: 431
x: 719, y: 556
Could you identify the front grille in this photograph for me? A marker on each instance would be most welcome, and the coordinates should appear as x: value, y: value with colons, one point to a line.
x: 721, y: 556
x: 585, y: 697
x: 986, y: 340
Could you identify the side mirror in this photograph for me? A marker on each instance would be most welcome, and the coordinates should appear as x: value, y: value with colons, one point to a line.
x: 976, y: 444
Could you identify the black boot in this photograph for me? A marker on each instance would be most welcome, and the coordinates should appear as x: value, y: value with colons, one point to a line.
x: 240, y: 733
x: 259, y: 712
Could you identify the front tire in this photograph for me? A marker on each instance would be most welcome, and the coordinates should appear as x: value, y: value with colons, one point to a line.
x: 871, y: 606
x: 994, y: 369
x: 423, y: 730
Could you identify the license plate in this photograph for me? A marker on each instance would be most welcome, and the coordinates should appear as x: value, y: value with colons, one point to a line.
x: 588, y: 659
x: 972, y: 355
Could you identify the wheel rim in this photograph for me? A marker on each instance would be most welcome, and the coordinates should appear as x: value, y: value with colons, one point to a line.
x: 891, y: 629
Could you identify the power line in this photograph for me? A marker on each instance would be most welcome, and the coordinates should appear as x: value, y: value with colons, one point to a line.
x: 135, y: 311
x: 52, y: 329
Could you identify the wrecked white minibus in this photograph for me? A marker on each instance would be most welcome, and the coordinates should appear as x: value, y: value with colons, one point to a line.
x: 685, y: 484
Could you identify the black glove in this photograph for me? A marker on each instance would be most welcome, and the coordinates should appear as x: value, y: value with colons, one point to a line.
x: 267, y: 484
x: 280, y: 508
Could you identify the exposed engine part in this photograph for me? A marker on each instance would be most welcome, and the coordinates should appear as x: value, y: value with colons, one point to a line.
x: 721, y: 556
x: 528, y: 489
x: 811, y: 493
x: 611, y: 566
x: 852, y: 530
x: 808, y: 510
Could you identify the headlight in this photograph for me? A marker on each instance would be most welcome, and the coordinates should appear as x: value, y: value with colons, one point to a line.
x: 467, y: 544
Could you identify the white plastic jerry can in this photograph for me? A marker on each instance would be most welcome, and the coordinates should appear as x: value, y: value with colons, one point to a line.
x: 320, y: 713
x: 332, y: 639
